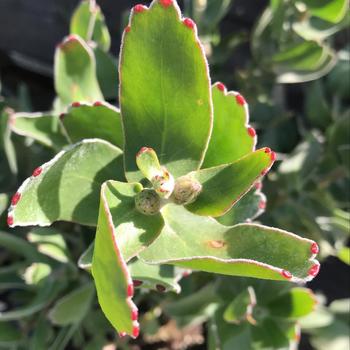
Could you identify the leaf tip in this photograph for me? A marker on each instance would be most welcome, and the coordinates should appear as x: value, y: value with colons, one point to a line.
x: 140, y: 8
x: 15, y: 198
x: 314, y: 248
x: 189, y: 23
x: 286, y: 274
x: 251, y: 131
x: 314, y: 270
x: 37, y: 171
x: 166, y: 3
x: 240, y: 100
x: 10, y: 220
x: 221, y: 86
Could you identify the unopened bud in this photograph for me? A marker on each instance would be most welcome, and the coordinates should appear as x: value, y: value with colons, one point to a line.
x: 186, y: 190
x: 148, y: 202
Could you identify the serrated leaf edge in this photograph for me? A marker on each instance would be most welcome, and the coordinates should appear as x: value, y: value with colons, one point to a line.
x: 45, y: 167
x: 278, y: 270
x: 201, y: 47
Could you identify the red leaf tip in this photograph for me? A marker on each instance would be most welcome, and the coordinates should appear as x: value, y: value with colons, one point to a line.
x: 314, y: 248
x: 251, y: 131
x: 134, y: 314
x: 127, y: 29
x: 143, y: 150
x: 98, y: 104
x: 258, y: 185
x: 15, y: 198
x: 240, y: 100
x: 37, y: 171
x: 314, y: 270
x: 189, y: 23
x: 136, y: 331
x: 221, y: 86
x: 10, y: 220
x: 75, y: 104
x: 262, y: 204
x: 286, y: 274
x: 140, y: 8
x: 130, y: 290
x: 166, y: 3
x: 273, y: 156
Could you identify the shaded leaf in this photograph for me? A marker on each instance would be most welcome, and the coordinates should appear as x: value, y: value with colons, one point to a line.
x: 101, y: 120
x: 153, y: 276
x: 42, y: 127
x: 73, y: 307
x: 89, y: 23
x: 224, y: 185
x: 67, y: 188
x: 75, y: 72
x: 298, y: 302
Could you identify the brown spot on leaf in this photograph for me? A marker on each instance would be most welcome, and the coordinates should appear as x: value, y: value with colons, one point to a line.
x: 217, y: 244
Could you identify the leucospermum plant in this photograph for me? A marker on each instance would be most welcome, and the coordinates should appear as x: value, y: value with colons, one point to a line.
x: 172, y: 179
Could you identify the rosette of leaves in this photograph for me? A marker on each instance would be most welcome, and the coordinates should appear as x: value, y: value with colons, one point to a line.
x: 246, y: 313
x: 158, y: 176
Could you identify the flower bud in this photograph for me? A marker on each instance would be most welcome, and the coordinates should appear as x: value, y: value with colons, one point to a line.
x: 148, y: 202
x: 186, y: 190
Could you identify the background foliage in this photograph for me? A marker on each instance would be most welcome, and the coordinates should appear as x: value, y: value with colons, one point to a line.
x: 47, y: 302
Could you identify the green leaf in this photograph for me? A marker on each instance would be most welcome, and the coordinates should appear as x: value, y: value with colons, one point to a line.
x: 10, y: 335
x: 339, y: 135
x: 247, y: 208
x: 224, y: 185
x: 122, y: 232
x: 73, y: 307
x: 155, y: 276
x: 150, y: 276
x: 107, y: 73
x: 251, y: 250
x: 20, y: 247
x: 165, y: 92
x: 229, y: 140
x: 49, y: 288
x: 49, y: 242
x: 298, y: 302
x: 42, y: 127
x: 67, y: 187
x: 75, y: 72
x: 6, y: 143
x: 195, y: 303
x: 303, y: 61
x: 89, y: 23
x: 271, y: 334
x: 338, y: 80
x: 85, y: 259
x: 316, y: 106
x: 36, y: 273
x: 344, y: 255
x: 241, y: 308
x: 329, y: 10
x: 101, y: 120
